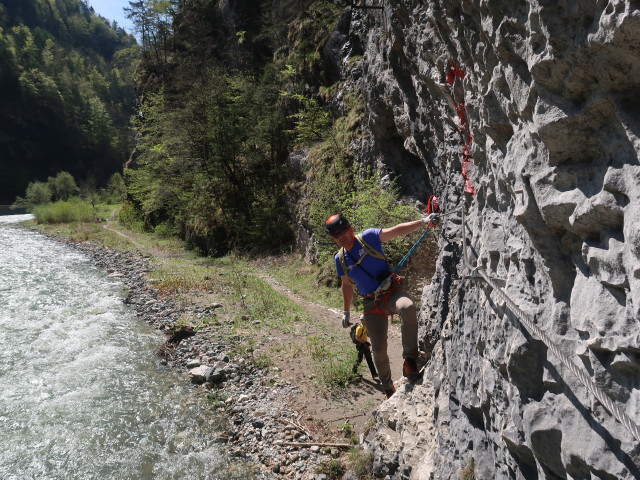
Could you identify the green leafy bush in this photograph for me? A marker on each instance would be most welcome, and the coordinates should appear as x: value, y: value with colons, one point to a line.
x: 164, y: 230
x: 37, y: 193
x: 63, y: 186
x: 74, y: 210
x: 130, y: 217
x: 311, y: 120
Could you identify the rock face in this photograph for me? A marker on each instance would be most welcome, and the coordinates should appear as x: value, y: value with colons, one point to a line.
x: 537, y: 103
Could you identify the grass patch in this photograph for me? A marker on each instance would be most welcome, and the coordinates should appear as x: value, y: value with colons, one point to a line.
x: 248, y: 299
x: 333, y: 362
x: 349, y: 433
x: 302, y: 279
x: 360, y: 463
x: 333, y: 469
x: 288, y: 350
x: 84, y: 232
x: 256, y: 304
x: 106, y: 211
x: 261, y: 302
x: 175, y: 276
x: 262, y: 361
x: 467, y: 472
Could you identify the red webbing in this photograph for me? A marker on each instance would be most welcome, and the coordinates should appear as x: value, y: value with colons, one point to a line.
x: 454, y: 72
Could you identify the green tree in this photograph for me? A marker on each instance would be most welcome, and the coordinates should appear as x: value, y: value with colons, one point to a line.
x: 214, y: 165
x: 37, y: 193
x: 116, y: 188
x: 152, y: 20
x: 49, y: 56
x: 63, y: 186
x: 24, y: 46
x: 311, y: 120
x: 40, y: 88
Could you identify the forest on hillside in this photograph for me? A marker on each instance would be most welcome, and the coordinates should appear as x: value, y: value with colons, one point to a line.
x: 229, y: 117
x: 66, y: 94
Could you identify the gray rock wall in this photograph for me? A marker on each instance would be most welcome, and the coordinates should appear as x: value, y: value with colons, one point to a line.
x: 551, y: 121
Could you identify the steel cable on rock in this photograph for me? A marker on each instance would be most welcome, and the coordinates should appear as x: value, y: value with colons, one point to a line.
x: 529, y: 324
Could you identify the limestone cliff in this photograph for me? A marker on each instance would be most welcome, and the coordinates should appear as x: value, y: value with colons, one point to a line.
x: 526, y: 113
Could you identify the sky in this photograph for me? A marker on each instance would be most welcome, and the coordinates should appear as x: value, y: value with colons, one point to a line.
x: 112, y: 10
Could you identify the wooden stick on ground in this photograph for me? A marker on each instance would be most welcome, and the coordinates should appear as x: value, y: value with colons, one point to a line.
x: 313, y: 444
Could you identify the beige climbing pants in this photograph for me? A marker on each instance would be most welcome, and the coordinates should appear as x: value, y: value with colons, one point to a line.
x: 376, y: 320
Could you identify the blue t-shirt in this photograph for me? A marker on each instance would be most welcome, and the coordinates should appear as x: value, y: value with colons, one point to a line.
x: 374, y: 266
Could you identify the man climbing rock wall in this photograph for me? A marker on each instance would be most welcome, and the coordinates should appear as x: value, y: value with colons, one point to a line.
x: 538, y: 137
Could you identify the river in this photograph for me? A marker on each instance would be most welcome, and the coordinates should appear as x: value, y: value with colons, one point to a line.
x: 83, y: 395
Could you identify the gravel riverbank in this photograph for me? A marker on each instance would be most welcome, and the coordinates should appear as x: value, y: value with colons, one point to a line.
x: 253, y: 403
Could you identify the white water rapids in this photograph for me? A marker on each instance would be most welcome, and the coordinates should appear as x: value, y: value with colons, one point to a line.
x: 82, y: 394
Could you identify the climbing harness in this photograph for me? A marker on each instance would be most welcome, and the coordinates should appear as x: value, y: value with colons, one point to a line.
x: 381, y: 296
x: 530, y: 325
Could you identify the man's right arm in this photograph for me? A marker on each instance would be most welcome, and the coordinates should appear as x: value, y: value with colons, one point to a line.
x: 347, y: 297
x: 347, y: 293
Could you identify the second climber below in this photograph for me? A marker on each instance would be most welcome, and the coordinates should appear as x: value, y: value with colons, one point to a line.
x: 361, y: 261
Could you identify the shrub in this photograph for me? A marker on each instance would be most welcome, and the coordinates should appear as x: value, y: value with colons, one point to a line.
x: 37, y: 193
x: 336, y: 184
x: 64, y: 212
x: 129, y: 217
x: 164, y: 230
